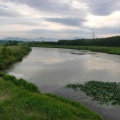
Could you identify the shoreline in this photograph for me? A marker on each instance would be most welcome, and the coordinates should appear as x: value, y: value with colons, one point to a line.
x: 107, y: 112
x: 108, y: 50
x: 29, y: 99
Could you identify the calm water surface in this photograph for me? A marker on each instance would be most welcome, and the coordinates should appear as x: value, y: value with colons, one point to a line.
x: 51, y: 69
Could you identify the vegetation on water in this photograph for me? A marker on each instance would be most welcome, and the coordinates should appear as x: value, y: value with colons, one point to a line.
x: 103, y: 92
x: 19, y: 101
x: 11, y: 54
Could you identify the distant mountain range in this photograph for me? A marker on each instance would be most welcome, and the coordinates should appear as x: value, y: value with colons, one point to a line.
x: 45, y: 39
x: 31, y: 39
x: 16, y: 38
x: 38, y: 39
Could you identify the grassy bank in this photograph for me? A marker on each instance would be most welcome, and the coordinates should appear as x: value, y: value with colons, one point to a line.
x: 103, y: 92
x: 109, y: 50
x: 11, y: 54
x: 22, y: 100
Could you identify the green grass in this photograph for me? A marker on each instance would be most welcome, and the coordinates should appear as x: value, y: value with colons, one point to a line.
x: 21, y: 103
x: 21, y: 83
x: 109, y: 50
x: 103, y: 92
x: 11, y: 54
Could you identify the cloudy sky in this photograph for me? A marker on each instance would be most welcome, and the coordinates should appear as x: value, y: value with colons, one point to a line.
x: 59, y: 18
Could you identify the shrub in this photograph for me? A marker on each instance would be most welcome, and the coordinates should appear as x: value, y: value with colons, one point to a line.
x: 2, y: 74
x: 9, y: 78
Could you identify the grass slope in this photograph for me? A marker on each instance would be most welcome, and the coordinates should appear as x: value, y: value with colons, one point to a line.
x: 11, y: 54
x: 20, y: 102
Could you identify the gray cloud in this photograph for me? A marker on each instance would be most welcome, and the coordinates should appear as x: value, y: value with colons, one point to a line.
x: 46, y: 5
x: 28, y: 23
x: 97, y: 7
x: 67, y: 21
x: 61, y: 12
x: 108, y: 30
x: 4, y: 12
x: 103, y: 31
x: 103, y: 7
x: 64, y: 31
x: 52, y: 7
x: 41, y: 31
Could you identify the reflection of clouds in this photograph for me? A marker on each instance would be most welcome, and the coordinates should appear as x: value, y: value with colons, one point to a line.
x: 98, y: 64
x: 49, y: 60
x: 30, y: 69
x: 21, y: 71
x: 53, y: 60
x: 56, y: 60
x: 17, y: 75
x: 25, y: 71
x: 34, y: 59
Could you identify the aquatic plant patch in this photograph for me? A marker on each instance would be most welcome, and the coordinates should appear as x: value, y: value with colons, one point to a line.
x: 103, y: 92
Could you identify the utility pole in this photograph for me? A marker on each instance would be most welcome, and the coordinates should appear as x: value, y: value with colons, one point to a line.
x: 93, y: 34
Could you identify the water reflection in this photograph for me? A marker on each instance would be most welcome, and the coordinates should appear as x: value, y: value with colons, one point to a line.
x: 59, y: 67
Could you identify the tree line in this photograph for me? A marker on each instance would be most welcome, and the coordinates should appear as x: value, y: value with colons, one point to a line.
x: 10, y: 42
x: 110, y: 41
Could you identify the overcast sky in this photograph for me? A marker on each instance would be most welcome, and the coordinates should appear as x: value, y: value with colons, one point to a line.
x: 59, y: 18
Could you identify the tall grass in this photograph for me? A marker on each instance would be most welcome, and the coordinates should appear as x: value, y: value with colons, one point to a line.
x: 2, y: 74
x: 11, y: 54
x: 22, y: 104
x: 21, y: 83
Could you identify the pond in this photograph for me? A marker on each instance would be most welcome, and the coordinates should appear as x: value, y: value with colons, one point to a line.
x: 52, y: 68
